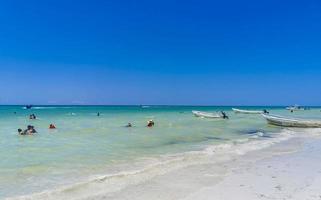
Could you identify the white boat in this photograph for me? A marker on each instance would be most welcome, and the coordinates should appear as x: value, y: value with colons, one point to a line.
x: 206, y: 114
x: 295, y: 107
x: 248, y: 111
x: 292, y: 122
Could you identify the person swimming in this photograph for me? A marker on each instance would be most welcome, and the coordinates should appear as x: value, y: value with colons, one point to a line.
x: 265, y: 111
x: 25, y: 132
x: 52, y: 126
x: 129, y: 125
x: 21, y: 132
x: 29, y: 131
x: 150, y: 123
x: 32, y: 116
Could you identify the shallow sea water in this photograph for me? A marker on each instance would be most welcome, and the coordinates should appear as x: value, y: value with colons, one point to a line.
x: 85, y: 145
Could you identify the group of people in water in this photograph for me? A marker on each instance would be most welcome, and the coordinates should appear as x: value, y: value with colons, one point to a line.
x: 31, y: 130
x: 150, y: 123
x: 32, y: 116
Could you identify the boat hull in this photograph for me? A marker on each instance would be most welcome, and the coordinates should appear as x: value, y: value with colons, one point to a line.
x: 296, y: 108
x: 206, y: 115
x: 247, y: 111
x: 290, y: 122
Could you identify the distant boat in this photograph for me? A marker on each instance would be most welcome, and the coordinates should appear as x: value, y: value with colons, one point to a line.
x: 248, y: 111
x: 206, y: 114
x: 292, y: 122
x: 295, y: 107
x: 28, y: 107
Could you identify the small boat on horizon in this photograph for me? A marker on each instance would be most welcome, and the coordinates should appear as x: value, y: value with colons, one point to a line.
x: 28, y: 107
x: 144, y: 106
x: 295, y: 107
x: 249, y: 111
x: 292, y: 122
x: 209, y: 115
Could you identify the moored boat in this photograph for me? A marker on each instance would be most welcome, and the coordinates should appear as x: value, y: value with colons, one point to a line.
x: 28, y: 107
x: 207, y: 114
x: 292, y: 122
x: 248, y: 111
x: 295, y: 107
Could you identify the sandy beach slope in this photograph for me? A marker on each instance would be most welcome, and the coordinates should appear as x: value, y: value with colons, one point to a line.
x: 288, y: 170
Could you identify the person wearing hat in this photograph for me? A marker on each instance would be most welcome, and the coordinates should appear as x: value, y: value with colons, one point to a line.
x: 150, y: 123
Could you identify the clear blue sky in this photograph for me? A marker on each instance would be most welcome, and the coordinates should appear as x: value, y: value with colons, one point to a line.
x: 160, y: 52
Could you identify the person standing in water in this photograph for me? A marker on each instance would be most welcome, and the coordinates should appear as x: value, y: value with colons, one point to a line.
x: 129, y: 125
x: 32, y: 116
x: 150, y: 123
x: 52, y: 126
x: 29, y: 131
x: 21, y: 132
x: 224, y: 116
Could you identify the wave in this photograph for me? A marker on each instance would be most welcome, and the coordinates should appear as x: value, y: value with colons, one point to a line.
x: 151, y: 167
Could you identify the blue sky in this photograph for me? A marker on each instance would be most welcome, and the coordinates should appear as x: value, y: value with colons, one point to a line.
x: 160, y: 52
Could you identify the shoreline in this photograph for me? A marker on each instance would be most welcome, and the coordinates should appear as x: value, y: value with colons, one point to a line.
x: 191, y: 176
x: 210, y: 180
x: 280, y: 169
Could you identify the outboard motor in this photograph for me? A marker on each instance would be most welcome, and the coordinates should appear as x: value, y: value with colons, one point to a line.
x: 224, y: 116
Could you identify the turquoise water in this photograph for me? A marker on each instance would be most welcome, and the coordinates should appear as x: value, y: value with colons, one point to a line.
x: 84, y: 144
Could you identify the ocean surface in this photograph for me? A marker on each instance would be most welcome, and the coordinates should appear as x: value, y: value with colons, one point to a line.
x: 86, y: 147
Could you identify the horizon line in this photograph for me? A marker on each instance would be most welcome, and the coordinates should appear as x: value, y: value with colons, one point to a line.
x: 34, y: 105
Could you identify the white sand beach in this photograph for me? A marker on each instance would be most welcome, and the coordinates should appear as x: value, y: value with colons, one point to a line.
x: 287, y: 170
x: 293, y: 175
